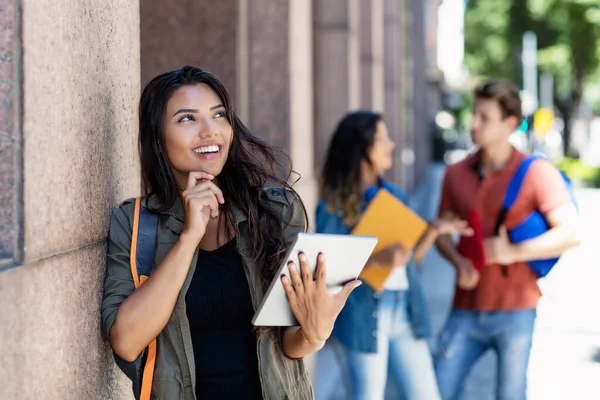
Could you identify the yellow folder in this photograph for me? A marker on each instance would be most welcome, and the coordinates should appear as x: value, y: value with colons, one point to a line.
x: 392, y: 222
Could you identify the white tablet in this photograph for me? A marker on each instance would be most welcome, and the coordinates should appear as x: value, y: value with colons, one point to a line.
x: 345, y: 257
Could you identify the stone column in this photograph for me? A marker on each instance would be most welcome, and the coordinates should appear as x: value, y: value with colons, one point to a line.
x: 409, y: 92
x: 69, y: 130
x: 421, y: 131
x: 395, y: 100
x: 301, y: 102
x: 265, y: 60
x: 201, y: 33
x: 11, y: 163
x: 366, y: 55
x: 331, y: 71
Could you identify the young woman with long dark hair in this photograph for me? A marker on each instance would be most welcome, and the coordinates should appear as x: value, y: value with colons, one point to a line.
x: 376, y: 329
x: 226, y: 220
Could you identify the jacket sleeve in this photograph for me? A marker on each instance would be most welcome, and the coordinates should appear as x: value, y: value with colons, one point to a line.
x: 118, y: 282
x: 294, y: 218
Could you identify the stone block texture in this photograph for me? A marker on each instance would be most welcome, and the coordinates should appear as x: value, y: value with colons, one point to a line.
x: 80, y: 96
x: 50, y: 331
x: 9, y: 64
x: 80, y: 88
x: 200, y: 33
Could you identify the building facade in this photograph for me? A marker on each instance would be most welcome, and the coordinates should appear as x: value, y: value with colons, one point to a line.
x: 70, y: 79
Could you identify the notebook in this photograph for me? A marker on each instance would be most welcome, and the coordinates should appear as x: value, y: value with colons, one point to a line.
x: 472, y: 246
x: 392, y: 222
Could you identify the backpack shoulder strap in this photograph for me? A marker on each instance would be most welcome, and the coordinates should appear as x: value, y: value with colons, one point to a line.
x: 514, y: 187
x: 134, y: 241
x: 516, y: 182
x: 141, y: 260
x: 143, y: 242
x: 146, y: 242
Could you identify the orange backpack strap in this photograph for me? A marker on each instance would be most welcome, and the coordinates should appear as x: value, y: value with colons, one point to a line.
x: 148, y: 371
x: 148, y: 374
x: 134, y: 238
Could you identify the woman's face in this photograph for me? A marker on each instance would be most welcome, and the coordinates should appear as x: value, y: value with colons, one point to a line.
x: 197, y: 133
x: 380, y: 153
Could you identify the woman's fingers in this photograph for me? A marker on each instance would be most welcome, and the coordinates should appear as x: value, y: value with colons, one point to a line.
x: 196, y: 176
x: 204, y: 199
x: 307, y: 273
x: 289, y: 289
x: 296, y: 279
x: 302, y: 279
x: 321, y: 272
x: 205, y: 186
x: 346, y: 290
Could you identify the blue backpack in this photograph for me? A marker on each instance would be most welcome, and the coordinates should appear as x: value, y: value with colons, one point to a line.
x: 535, y: 224
x: 143, y: 243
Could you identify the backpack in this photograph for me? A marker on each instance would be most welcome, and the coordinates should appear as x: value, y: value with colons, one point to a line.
x: 143, y: 243
x: 535, y: 224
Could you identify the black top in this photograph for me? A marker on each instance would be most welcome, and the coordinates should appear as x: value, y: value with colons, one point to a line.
x: 219, y: 308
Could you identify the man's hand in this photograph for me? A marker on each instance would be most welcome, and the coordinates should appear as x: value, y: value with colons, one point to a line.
x: 467, y: 277
x: 448, y: 226
x: 499, y: 249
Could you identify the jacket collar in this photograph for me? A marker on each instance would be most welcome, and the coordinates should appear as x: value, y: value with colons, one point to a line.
x: 372, y: 190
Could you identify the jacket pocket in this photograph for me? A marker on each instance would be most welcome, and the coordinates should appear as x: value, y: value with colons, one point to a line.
x: 167, y: 385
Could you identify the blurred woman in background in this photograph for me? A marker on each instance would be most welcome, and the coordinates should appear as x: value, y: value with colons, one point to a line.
x: 390, y: 327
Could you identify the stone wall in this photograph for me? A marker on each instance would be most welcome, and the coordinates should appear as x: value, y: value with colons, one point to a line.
x: 76, y: 108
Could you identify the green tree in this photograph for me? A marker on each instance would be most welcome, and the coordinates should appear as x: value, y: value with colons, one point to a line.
x: 568, y: 40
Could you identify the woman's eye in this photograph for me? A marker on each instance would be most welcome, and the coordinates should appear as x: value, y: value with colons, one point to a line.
x: 186, y: 118
x: 220, y: 114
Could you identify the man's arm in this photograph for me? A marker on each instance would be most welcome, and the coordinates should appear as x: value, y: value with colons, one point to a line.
x: 553, y: 200
x: 444, y: 243
x: 467, y: 277
x: 562, y: 236
x: 446, y: 247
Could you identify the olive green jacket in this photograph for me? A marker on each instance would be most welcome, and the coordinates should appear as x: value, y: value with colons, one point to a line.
x: 175, y: 377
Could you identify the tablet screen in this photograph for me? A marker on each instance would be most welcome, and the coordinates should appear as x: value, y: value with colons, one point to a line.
x: 345, y: 257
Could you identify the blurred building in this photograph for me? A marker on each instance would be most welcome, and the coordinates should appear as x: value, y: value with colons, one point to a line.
x: 70, y: 78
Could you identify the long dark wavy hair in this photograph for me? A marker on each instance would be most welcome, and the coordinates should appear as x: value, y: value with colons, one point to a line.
x: 341, y: 176
x: 250, y: 165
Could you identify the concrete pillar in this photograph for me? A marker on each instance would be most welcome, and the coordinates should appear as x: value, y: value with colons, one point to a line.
x: 421, y: 141
x: 366, y: 55
x: 11, y: 163
x: 71, y: 125
x: 201, y: 33
x: 395, y: 84
x: 331, y: 71
x: 408, y: 94
x: 354, y: 49
x: 267, y: 66
x: 378, y: 56
x: 301, y: 102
